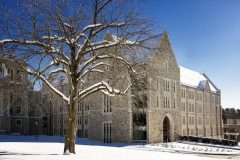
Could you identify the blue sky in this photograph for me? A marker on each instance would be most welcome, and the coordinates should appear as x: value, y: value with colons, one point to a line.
x: 205, y: 36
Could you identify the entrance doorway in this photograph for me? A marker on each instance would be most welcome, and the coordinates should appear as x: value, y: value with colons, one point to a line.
x: 166, y: 130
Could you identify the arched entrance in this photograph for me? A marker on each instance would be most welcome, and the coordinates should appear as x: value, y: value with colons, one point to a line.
x: 166, y: 130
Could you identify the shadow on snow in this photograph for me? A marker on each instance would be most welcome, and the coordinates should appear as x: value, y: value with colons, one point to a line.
x: 56, y: 139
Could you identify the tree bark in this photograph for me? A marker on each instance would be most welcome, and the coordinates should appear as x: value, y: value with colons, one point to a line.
x: 70, y: 136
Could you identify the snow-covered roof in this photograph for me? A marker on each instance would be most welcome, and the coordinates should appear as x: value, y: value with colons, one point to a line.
x: 195, y: 79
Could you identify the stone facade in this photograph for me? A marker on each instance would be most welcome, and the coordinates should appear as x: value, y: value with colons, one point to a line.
x: 191, y: 110
x: 232, y: 129
x: 168, y: 108
x: 19, y: 105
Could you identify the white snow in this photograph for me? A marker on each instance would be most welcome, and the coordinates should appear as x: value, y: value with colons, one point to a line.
x: 194, y: 79
x: 68, y: 25
x: 91, y: 26
x: 51, y: 148
x: 67, y: 152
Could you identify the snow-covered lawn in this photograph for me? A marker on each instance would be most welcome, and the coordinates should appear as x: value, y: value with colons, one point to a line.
x: 46, y: 148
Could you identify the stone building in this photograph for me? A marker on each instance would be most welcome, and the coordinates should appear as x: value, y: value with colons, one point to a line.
x: 20, y: 111
x: 175, y: 101
x: 231, y: 129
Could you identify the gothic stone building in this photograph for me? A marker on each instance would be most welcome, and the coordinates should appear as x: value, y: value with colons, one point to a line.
x: 175, y: 101
x: 20, y: 111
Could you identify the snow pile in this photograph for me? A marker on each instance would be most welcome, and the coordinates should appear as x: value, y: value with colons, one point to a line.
x: 193, y: 149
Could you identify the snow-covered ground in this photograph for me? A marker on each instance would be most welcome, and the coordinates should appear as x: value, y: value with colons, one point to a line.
x: 51, y: 148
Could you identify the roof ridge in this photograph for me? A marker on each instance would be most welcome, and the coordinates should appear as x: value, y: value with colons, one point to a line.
x: 218, y: 90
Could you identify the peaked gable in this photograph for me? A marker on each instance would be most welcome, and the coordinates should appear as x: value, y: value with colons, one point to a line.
x: 165, y: 44
x: 165, y: 56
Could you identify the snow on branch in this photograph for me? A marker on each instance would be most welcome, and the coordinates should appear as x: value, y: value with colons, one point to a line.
x: 67, y: 25
x: 83, y: 72
x: 56, y: 38
x: 96, y: 29
x: 103, y: 87
x: 84, y: 67
x: 41, y: 77
x: 49, y: 48
x: 56, y: 71
x: 107, y: 44
x: 102, y: 26
x: 91, y: 26
x: 55, y: 62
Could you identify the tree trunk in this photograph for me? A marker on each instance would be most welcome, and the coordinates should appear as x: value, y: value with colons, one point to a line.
x: 70, y: 136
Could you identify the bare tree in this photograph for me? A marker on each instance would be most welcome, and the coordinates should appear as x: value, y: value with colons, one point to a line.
x: 73, y: 40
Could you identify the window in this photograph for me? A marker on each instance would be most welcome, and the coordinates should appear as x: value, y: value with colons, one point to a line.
x: 87, y: 106
x: 139, y: 126
x: 191, y: 107
x: 174, y: 103
x: 107, y: 132
x: 86, y: 121
x: 207, y: 121
x: 166, y: 85
x: 166, y: 102
x: 193, y: 95
x: 86, y: 133
x: 19, y: 100
x: 107, y: 104
x: 78, y: 107
x: 200, y: 120
x: 190, y: 94
x: 183, y: 106
x: 18, y: 122
x: 191, y: 120
x: 174, y: 87
x: 18, y: 109
x: 65, y: 120
x: 157, y: 102
x: 183, y: 120
x: 79, y: 120
x: 183, y: 93
x: 199, y: 96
